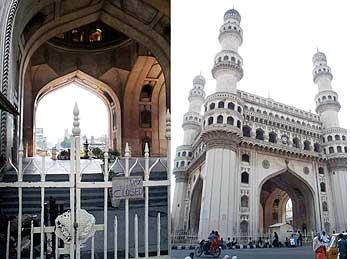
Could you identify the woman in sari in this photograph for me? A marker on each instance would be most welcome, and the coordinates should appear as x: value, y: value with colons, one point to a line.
x: 319, y: 247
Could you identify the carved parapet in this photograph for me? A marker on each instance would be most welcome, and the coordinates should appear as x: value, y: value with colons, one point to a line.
x: 221, y: 136
x: 338, y: 162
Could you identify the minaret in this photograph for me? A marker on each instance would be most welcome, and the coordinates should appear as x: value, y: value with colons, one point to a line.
x: 222, y: 134
x: 227, y: 68
x: 192, y: 125
x: 333, y: 137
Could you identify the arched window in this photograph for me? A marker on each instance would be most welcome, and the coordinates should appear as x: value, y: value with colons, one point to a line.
x: 182, y: 163
x: 243, y: 227
x: 343, y: 138
x: 220, y: 119
x: 339, y: 149
x: 184, y: 153
x: 306, y: 145
x: 239, y: 109
x: 221, y: 105
x: 146, y: 93
x: 324, y: 98
x: 331, y: 150
x: 244, y: 178
x: 323, y: 140
x: 145, y: 118
x: 329, y: 138
x: 251, y: 109
x: 231, y: 106
x: 239, y: 124
x: 272, y: 137
x: 323, y: 187
x: 259, y: 134
x: 244, y: 201
x: 317, y: 147
x: 246, y: 131
x: 345, y: 150
x: 324, y: 206
x: 189, y: 153
x: 320, y: 170
x: 210, y: 120
x: 329, y: 97
x: 225, y: 58
x: 177, y: 164
x: 230, y: 120
x: 245, y: 158
x: 296, y: 142
x: 337, y: 137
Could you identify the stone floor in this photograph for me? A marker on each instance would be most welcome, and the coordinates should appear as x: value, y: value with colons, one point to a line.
x: 257, y: 253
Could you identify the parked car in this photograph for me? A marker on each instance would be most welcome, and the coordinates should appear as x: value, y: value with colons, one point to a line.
x: 332, y: 249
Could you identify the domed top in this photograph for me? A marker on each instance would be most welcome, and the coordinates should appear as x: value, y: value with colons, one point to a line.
x: 319, y: 57
x: 232, y: 13
x: 199, y: 80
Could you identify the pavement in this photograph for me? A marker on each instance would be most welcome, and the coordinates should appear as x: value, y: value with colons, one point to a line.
x: 304, y: 252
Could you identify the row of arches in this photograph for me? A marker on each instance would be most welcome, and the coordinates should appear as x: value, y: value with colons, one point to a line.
x: 332, y: 150
x: 220, y: 120
x: 282, y: 126
x: 272, y: 138
x: 327, y: 98
x: 184, y: 153
x: 281, y: 117
x: 223, y: 105
x: 336, y: 138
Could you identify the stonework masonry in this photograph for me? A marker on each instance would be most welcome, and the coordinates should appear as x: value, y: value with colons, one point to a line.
x: 246, y: 155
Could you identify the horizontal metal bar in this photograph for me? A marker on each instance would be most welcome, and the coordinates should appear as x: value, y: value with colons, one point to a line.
x: 37, y: 185
x: 83, y: 185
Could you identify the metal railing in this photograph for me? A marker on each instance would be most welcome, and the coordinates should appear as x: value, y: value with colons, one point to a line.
x: 75, y: 185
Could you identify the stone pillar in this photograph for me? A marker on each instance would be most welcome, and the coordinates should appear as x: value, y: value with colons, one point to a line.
x: 218, y: 197
x: 178, y: 211
x: 339, y: 190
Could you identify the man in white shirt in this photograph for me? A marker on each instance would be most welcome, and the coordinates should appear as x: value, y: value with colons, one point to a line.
x: 325, y: 239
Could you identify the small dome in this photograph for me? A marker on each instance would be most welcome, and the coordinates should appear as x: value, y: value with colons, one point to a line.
x: 232, y: 13
x: 319, y: 57
x: 199, y: 80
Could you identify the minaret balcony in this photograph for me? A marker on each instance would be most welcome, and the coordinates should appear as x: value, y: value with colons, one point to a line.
x: 234, y: 31
x: 221, y: 136
x: 227, y: 67
x: 326, y: 105
x: 320, y: 72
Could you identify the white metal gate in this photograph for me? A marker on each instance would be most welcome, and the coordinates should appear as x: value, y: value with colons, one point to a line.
x: 75, y: 185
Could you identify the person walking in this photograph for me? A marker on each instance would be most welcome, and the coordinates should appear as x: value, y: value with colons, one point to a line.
x: 275, y: 241
x: 342, y: 246
x: 325, y: 239
x: 318, y: 247
x: 300, y: 239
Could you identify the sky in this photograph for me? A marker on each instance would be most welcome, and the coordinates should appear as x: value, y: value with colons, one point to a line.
x: 59, y: 105
x: 279, y: 40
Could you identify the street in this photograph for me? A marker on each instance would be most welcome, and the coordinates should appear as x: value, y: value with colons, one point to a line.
x: 261, y: 253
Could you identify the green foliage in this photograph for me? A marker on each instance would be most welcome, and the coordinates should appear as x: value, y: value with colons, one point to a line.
x: 65, y: 143
x: 97, y: 152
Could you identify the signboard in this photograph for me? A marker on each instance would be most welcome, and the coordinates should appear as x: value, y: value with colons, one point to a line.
x: 127, y: 188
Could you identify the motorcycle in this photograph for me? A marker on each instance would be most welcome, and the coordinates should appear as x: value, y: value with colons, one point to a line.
x: 204, y: 247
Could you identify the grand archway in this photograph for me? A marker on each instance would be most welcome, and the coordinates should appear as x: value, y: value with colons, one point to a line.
x: 275, y: 192
x: 195, y: 208
x: 96, y: 87
x: 111, y: 41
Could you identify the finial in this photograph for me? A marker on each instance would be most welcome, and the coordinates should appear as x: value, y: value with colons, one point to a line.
x: 127, y: 150
x: 146, y: 150
x: 168, y: 125
x: 76, y: 129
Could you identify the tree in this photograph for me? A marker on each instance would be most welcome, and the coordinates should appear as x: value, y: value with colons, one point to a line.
x: 65, y: 143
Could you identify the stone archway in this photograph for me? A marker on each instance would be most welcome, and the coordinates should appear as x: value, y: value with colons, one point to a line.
x: 93, y: 85
x: 149, y: 28
x: 195, y: 206
x: 284, y: 185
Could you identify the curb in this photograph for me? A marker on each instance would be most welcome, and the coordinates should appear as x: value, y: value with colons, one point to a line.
x: 191, y: 247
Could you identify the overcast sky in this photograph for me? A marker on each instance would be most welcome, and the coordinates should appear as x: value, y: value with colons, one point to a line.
x: 279, y: 40
x: 55, y: 113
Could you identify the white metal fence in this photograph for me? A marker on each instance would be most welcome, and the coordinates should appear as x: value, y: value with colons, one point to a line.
x: 75, y: 186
